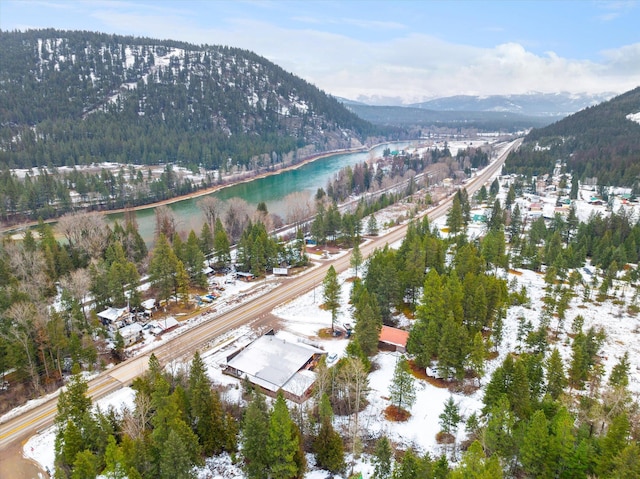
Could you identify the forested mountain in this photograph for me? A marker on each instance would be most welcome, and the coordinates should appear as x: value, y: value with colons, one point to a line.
x: 402, y: 116
x: 77, y: 97
x: 600, y: 141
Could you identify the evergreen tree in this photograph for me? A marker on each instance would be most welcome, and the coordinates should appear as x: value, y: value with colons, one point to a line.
x: 356, y: 257
x: 205, y: 412
x: 499, y: 432
x: 74, y: 424
x: 410, y: 467
x: 174, y: 459
x: 520, y: 391
x: 221, y: 245
x: 411, y: 267
x: 455, y: 217
x: 69, y: 443
x: 206, y: 240
x: 194, y: 260
x: 318, y: 227
x: 452, y: 350
x: 450, y: 417
x: 579, y: 368
x: 73, y: 402
x: 255, y: 430
x: 556, y: 379
x: 181, y: 283
x: 325, y: 411
x: 562, y: 442
x: 620, y: 372
x: 424, y: 337
x: 372, y: 226
x: 478, y: 355
x: 85, y: 465
x: 169, y: 418
x: 612, y: 444
x: 382, y: 459
x: 331, y: 294
x: 163, y: 268
x: 626, y: 465
x: 534, y: 452
x: 573, y: 194
x: 493, y: 248
x: 114, y: 461
x: 496, y: 218
x: 494, y: 189
x: 475, y: 465
x: 122, y: 278
x: 382, y: 281
x: 281, y: 443
x: 402, y: 391
x: 328, y: 448
x: 178, y: 246
x: 368, y: 323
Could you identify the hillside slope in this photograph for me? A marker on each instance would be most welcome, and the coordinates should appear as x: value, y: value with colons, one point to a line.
x: 70, y: 97
x: 600, y: 141
x: 402, y: 117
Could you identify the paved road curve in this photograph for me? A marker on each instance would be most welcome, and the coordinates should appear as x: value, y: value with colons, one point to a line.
x: 185, y: 344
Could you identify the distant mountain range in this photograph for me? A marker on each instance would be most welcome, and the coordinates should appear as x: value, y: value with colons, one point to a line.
x: 601, y: 142
x: 511, y: 112
x: 405, y: 117
x: 531, y: 104
x: 77, y: 97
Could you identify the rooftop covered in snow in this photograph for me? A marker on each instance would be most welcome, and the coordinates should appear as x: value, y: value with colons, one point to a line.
x: 275, y: 363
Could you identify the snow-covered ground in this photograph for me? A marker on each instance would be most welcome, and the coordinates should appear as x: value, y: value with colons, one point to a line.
x: 304, y: 317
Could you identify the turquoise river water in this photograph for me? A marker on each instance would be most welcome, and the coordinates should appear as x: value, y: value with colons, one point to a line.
x: 271, y: 189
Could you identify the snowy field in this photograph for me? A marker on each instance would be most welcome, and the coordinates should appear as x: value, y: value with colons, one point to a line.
x: 304, y: 317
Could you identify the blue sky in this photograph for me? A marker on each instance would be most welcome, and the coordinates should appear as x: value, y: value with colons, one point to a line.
x: 388, y: 52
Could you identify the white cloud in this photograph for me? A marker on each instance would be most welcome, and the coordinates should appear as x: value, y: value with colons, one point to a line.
x: 408, y: 68
x: 615, y: 9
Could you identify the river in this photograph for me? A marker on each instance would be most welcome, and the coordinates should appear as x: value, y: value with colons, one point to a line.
x: 270, y: 189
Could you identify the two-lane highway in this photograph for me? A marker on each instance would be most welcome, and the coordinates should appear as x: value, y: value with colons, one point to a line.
x: 27, y: 423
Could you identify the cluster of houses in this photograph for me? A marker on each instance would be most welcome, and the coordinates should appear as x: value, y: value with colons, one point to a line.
x: 131, y: 325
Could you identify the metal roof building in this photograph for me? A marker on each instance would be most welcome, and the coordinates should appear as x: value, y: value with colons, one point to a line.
x: 277, y: 363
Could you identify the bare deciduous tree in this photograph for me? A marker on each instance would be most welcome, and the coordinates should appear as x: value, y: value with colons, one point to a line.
x: 85, y: 232
x: 354, y: 384
x: 265, y: 218
x: 236, y: 218
x: 22, y: 315
x: 29, y: 267
x: 77, y: 283
x: 299, y: 207
x: 165, y: 222
x: 212, y: 208
x: 136, y: 422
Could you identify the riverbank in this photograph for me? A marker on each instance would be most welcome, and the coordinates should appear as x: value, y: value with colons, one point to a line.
x: 7, y: 229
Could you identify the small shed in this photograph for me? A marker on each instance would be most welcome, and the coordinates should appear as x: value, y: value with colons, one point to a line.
x: 393, y: 339
x: 163, y: 325
x: 148, y: 304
